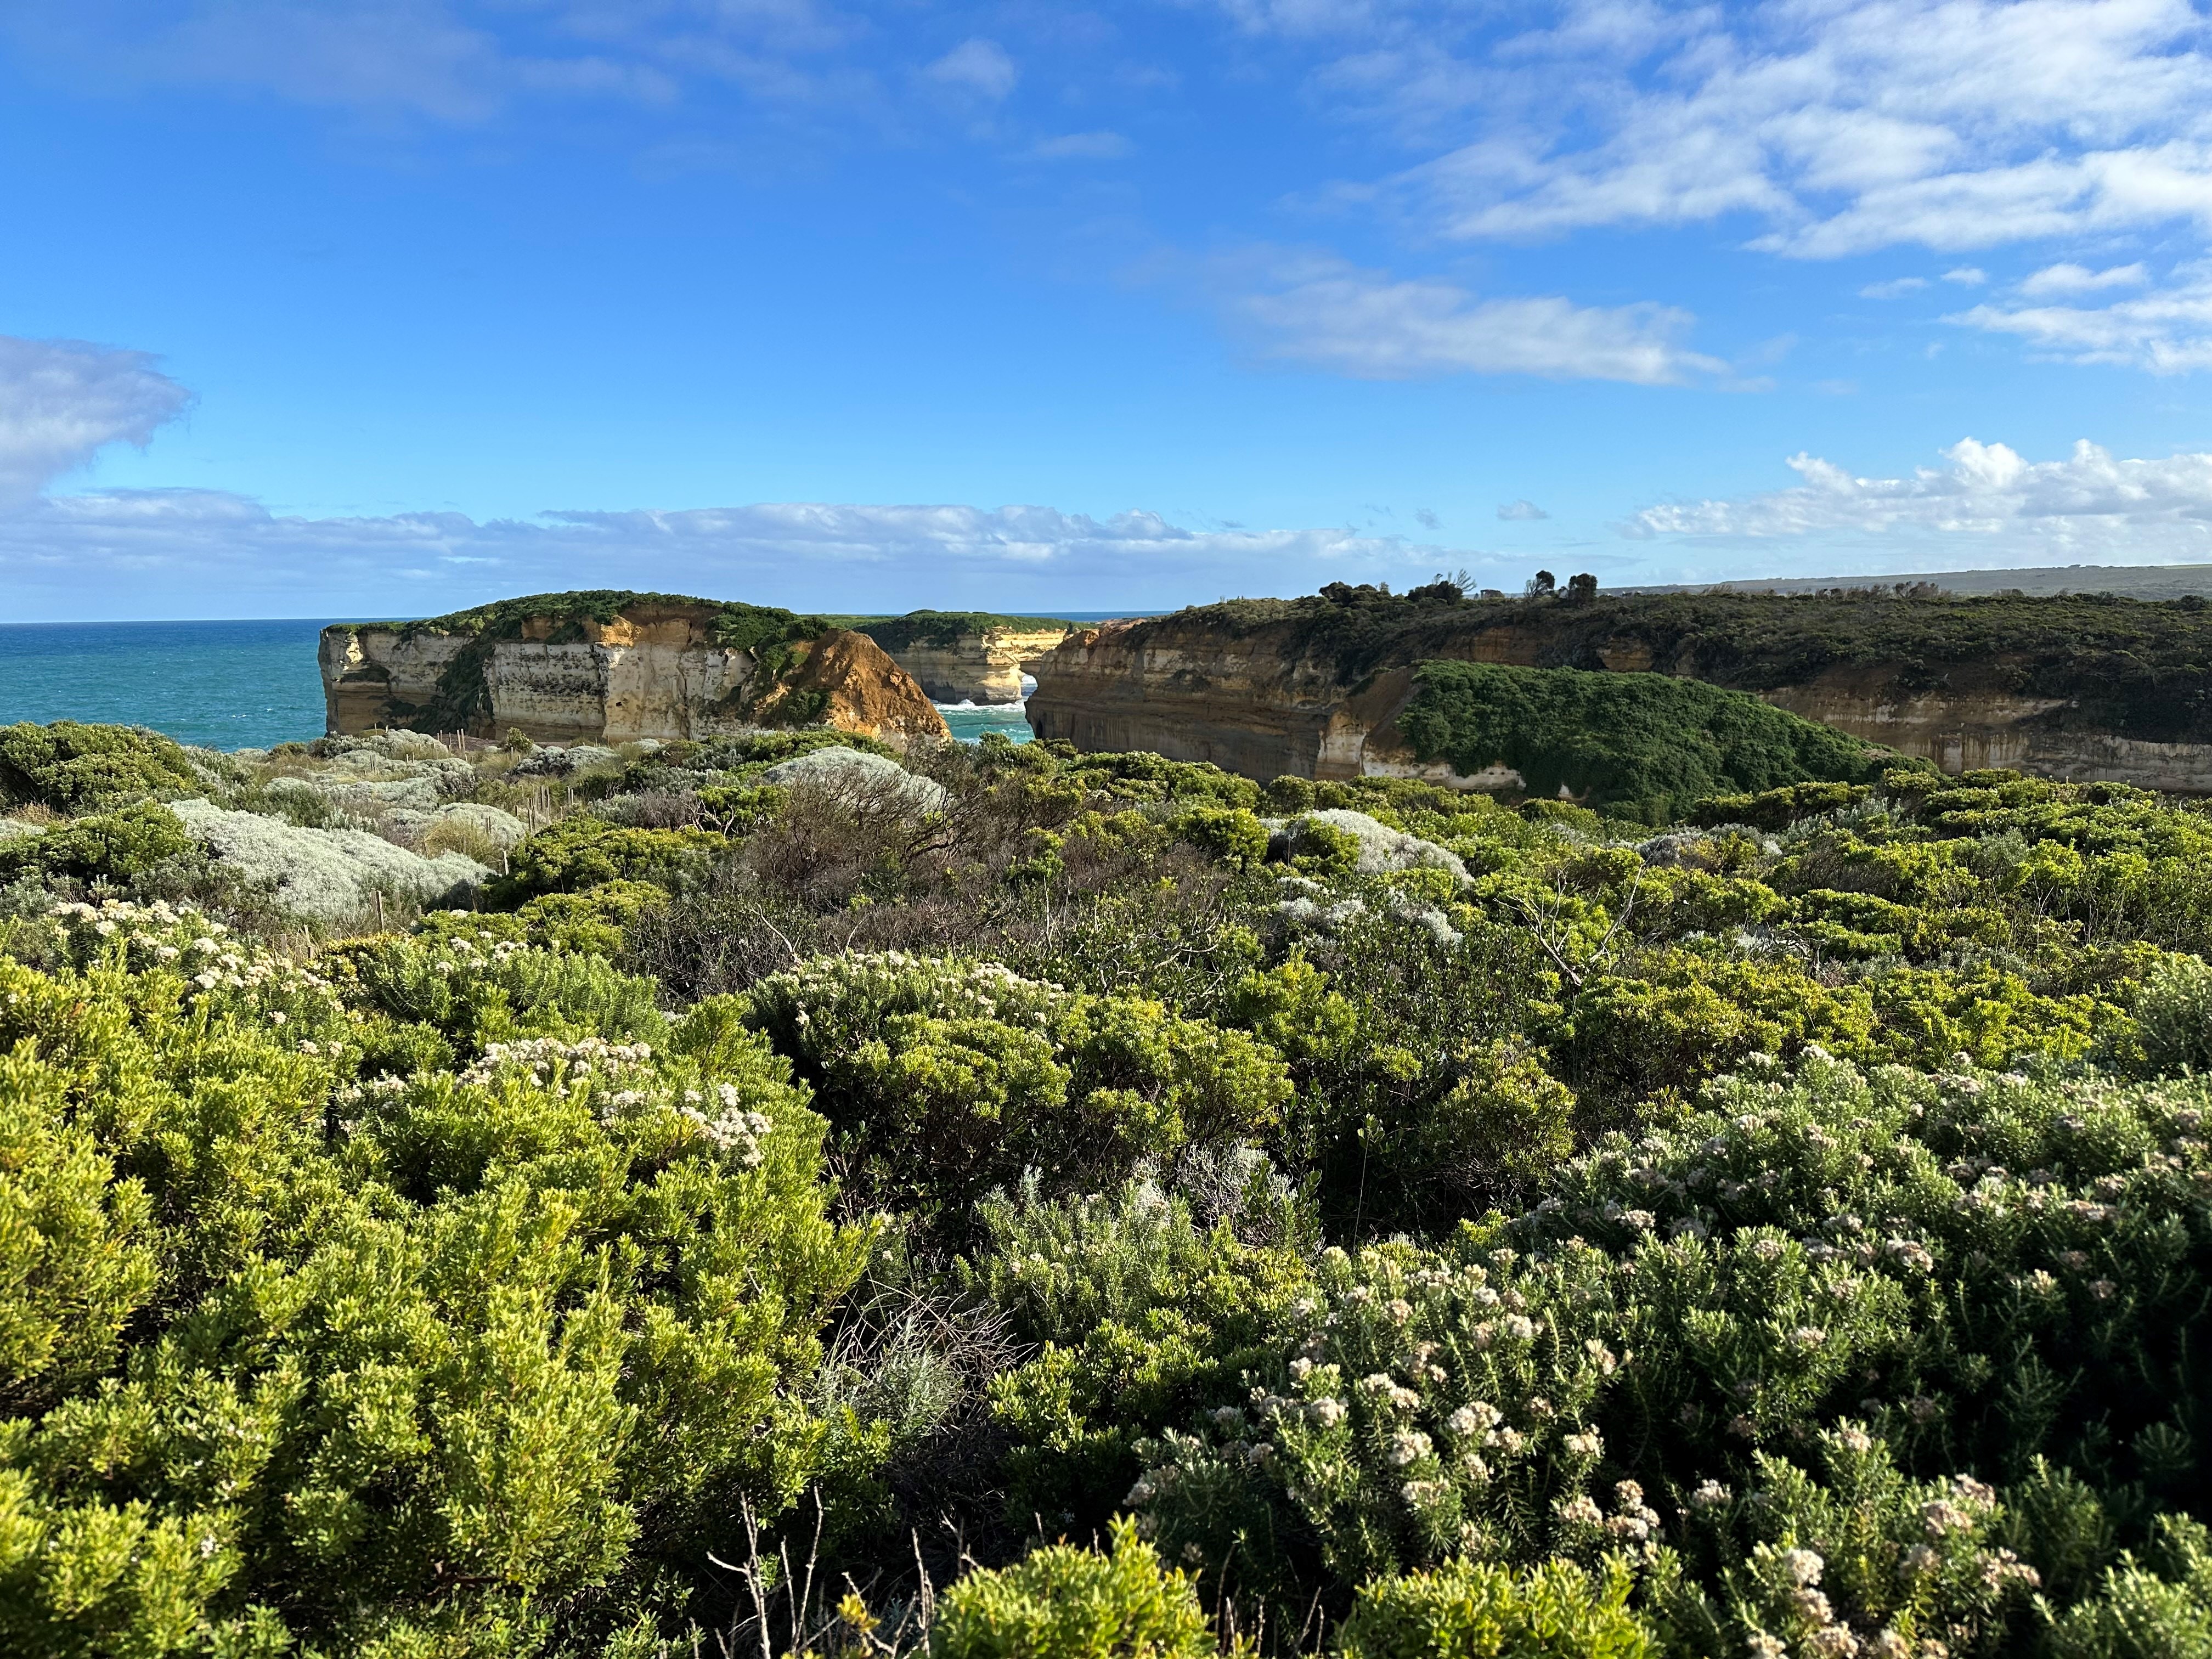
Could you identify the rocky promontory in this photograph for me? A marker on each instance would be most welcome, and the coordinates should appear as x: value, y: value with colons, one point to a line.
x: 2085, y: 688
x: 611, y: 667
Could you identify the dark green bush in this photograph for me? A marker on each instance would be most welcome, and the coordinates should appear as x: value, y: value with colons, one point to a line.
x: 581, y: 853
x: 1644, y: 745
x: 114, y: 846
x: 74, y: 768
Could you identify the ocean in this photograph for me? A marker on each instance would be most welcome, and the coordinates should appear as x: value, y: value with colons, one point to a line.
x: 222, y: 684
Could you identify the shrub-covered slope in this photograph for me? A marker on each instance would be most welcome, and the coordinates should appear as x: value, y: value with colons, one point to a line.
x: 1099, y: 1204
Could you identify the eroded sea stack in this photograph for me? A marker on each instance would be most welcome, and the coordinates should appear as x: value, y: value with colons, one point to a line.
x: 615, y: 666
x: 2081, y: 686
x: 961, y: 656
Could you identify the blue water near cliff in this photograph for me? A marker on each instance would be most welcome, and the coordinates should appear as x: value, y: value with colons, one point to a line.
x: 221, y: 684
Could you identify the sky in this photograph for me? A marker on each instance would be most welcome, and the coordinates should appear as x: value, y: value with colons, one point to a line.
x: 383, y: 307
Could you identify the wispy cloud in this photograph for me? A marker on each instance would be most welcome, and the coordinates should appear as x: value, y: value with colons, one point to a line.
x: 1520, y: 512
x: 2168, y: 331
x: 979, y: 67
x: 1986, y: 501
x: 168, y: 551
x: 2080, y: 279
x: 1832, y: 129
x: 1897, y: 288
x: 1328, y: 314
x: 63, y: 401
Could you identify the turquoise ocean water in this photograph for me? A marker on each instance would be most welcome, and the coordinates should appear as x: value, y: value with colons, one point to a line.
x: 222, y: 684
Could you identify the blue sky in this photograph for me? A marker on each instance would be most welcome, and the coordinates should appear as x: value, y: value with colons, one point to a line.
x: 389, y: 306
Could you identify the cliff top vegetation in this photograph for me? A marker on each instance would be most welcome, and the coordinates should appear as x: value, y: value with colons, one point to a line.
x: 2140, y: 668
x: 946, y: 627
x: 1047, y: 1206
x: 734, y: 623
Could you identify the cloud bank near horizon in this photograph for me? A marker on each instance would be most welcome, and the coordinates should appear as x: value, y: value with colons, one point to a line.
x: 182, y: 546
x: 1987, y: 507
x: 199, y: 551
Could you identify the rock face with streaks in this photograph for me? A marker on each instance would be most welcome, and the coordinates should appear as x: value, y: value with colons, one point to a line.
x: 611, y: 668
x: 962, y: 657
x: 2086, y: 690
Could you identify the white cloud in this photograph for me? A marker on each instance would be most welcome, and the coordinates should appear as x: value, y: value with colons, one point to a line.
x: 1987, y: 503
x: 169, y: 551
x: 1331, y: 315
x: 1085, y: 147
x: 2168, y: 331
x: 63, y: 401
x: 1520, y: 512
x: 978, y: 66
x: 1837, y: 128
x: 2080, y: 279
x: 1894, y: 290
x: 1967, y: 276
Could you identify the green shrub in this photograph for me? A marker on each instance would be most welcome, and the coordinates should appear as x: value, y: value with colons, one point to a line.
x: 1063, y: 1602
x: 2160, y: 1608
x: 76, y: 1245
x: 2173, y: 1017
x: 581, y: 853
x: 1232, y: 834
x: 1649, y: 745
x: 1467, y: 1611
x: 1778, y: 808
x: 420, y: 1351
x: 945, y: 1078
x: 112, y: 847
x: 1144, y: 1317
x: 74, y: 768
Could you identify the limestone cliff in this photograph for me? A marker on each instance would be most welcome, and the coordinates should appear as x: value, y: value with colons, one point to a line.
x: 611, y: 667
x: 2083, y: 689
x: 961, y: 656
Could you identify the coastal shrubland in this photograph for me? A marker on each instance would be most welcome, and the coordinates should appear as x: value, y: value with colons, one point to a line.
x: 1094, y: 1204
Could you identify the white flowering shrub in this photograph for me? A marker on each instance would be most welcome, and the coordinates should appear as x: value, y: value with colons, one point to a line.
x: 1856, y: 1559
x: 1954, y: 1257
x: 1434, y: 1405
